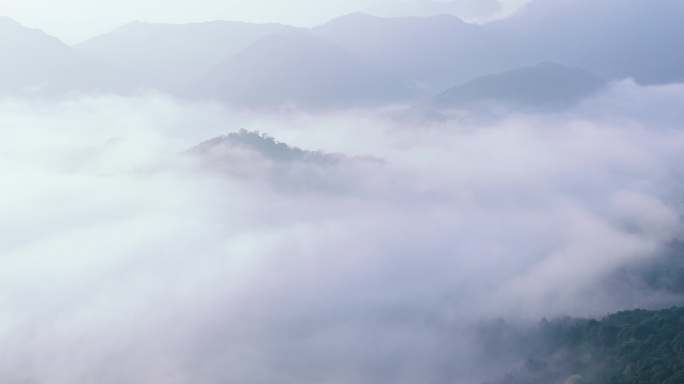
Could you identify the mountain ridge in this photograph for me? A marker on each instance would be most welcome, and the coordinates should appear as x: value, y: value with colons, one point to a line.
x: 170, y: 56
x: 545, y: 87
x: 36, y: 63
x: 300, y: 70
x: 618, y: 38
x: 435, y: 52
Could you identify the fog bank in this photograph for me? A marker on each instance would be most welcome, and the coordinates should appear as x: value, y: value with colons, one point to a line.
x: 126, y: 259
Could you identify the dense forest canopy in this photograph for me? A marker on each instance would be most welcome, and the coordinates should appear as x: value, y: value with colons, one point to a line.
x: 627, y: 347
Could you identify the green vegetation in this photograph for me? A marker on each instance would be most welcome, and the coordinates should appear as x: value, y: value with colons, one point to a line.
x: 267, y: 147
x: 629, y: 347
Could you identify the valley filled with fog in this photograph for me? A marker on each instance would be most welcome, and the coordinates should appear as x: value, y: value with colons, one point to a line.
x: 349, y: 203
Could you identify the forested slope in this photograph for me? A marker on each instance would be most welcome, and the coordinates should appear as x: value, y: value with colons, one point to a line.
x: 628, y: 347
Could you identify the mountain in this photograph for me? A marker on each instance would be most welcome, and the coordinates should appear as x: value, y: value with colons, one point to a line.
x: 627, y: 347
x: 299, y: 70
x: 612, y: 38
x: 34, y: 62
x: 169, y: 56
x: 463, y: 9
x: 435, y: 52
x: 262, y: 145
x: 253, y: 155
x: 546, y: 87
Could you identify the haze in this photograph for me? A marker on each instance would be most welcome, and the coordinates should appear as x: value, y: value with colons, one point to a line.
x: 346, y: 202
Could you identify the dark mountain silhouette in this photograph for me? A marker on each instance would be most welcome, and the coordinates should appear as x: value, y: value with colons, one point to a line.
x: 546, y: 87
x: 435, y: 52
x: 35, y: 63
x: 299, y: 70
x: 169, y: 56
x: 612, y: 38
x: 263, y: 146
x: 254, y: 155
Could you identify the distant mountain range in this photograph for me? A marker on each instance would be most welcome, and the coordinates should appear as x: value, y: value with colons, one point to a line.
x: 434, y: 53
x: 355, y: 60
x: 171, y: 56
x: 464, y: 9
x: 35, y: 63
x: 547, y: 87
x: 611, y: 38
x: 299, y: 71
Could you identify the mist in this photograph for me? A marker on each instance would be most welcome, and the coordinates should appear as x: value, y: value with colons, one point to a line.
x: 127, y: 258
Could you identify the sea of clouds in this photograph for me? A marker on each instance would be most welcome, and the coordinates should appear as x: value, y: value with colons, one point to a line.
x: 123, y: 258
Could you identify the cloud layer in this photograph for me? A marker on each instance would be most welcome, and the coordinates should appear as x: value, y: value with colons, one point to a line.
x: 124, y: 259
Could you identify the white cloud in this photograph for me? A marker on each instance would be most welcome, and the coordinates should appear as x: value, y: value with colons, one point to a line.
x: 124, y: 261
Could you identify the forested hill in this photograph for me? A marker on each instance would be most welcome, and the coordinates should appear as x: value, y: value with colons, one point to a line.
x: 629, y: 347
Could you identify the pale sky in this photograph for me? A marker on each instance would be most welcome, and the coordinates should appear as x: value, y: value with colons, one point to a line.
x: 76, y: 20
